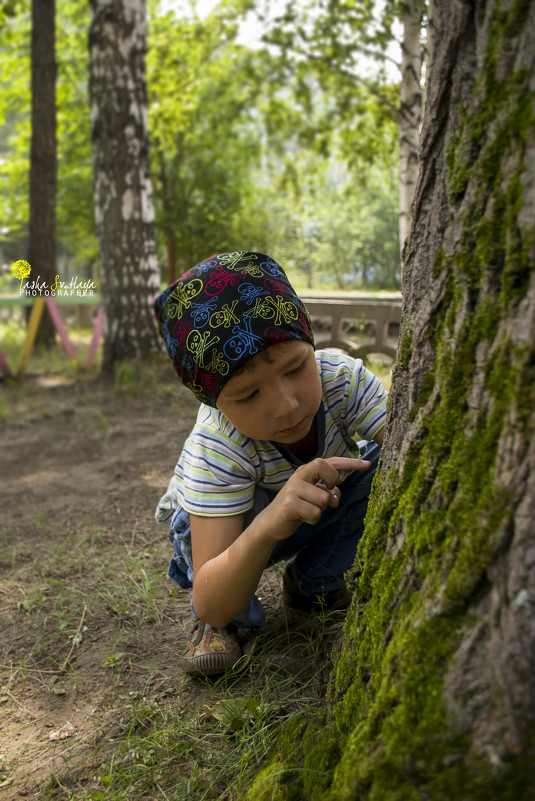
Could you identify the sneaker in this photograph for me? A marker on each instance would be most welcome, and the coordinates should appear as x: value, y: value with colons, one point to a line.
x: 211, y: 650
x: 296, y: 598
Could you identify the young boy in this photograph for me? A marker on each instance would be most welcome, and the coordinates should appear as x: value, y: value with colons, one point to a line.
x: 271, y: 471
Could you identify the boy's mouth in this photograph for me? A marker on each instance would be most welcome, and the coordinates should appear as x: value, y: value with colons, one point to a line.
x: 296, y: 429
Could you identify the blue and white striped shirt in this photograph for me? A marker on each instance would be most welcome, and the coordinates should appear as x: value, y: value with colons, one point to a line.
x: 219, y: 467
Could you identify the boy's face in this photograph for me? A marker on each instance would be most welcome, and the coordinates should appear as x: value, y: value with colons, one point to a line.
x: 277, y: 399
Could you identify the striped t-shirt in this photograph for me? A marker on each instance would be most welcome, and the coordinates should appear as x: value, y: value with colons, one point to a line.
x: 219, y: 467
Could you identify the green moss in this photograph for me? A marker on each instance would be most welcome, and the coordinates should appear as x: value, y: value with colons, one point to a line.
x: 405, y: 346
x: 428, y: 382
x: 282, y: 778
x: 438, y: 264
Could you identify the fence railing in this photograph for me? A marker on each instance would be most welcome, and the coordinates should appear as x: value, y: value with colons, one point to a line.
x: 358, y: 324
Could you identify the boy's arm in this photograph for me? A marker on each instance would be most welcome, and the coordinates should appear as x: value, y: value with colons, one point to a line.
x: 228, y: 562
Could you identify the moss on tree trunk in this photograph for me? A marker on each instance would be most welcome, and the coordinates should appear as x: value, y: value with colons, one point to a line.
x: 433, y: 691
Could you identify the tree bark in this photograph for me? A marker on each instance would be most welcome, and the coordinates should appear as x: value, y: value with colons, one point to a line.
x: 433, y: 691
x: 43, y: 157
x: 122, y: 185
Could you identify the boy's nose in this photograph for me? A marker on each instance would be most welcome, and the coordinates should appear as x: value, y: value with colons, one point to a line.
x: 282, y: 404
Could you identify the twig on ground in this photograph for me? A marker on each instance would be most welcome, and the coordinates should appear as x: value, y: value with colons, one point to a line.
x: 74, y: 642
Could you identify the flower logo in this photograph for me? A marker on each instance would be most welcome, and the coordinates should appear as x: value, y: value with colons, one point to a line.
x: 21, y: 270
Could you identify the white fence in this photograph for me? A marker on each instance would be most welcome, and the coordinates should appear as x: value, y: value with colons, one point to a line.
x: 358, y: 324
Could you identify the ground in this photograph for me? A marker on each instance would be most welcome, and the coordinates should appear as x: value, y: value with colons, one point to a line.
x: 94, y: 702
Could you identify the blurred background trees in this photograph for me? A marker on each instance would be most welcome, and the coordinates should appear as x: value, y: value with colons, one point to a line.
x: 271, y: 131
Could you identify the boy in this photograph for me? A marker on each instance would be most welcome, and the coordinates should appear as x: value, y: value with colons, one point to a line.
x: 257, y: 480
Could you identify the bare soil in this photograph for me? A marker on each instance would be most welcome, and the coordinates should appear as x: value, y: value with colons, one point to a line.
x: 89, y: 620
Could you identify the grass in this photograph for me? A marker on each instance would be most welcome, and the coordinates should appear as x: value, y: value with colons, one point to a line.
x: 161, y: 739
x: 212, y: 746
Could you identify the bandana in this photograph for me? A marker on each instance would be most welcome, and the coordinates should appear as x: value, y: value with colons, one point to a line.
x: 223, y: 312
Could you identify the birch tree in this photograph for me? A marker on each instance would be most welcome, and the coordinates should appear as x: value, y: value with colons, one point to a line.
x: 433, y: 690
x: 336, y: 39
x: 122, y: 184
x: 410, y: 109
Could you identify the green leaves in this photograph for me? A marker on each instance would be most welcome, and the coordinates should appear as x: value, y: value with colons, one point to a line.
x: 204, y: 133
x: 233, y: 713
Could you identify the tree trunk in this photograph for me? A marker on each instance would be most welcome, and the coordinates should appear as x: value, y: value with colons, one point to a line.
x: 122, y: 185
x: 433, y: 692
x: 43, y: 157
x: 410, y: 111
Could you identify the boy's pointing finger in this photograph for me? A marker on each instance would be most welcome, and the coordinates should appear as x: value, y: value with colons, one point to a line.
x: 342, y: 463
x: 328, y: 470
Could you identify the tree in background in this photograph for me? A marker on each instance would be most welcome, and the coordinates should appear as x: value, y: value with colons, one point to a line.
x: 122, y: 184
x: 42, y: 241
x: 239, y: 147
x: 77, y: 244
x: 331, y: 230
x: 433, y: 690
x: 331, y: 39
x: 76, y: 212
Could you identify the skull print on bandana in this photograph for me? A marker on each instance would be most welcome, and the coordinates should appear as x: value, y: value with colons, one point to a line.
x: 223, y: 312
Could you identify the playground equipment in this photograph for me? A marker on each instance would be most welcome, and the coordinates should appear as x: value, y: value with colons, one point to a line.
x: 51, y: 304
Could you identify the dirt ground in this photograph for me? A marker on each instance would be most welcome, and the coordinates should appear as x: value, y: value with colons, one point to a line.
x: 89, y: 621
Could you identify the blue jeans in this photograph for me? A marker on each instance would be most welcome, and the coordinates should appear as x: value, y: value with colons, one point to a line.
x: 323, y: 552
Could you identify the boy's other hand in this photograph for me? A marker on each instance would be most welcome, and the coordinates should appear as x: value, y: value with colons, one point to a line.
x: 307, y: 494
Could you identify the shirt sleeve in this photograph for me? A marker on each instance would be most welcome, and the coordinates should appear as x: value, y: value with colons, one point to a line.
x: 215, y: 477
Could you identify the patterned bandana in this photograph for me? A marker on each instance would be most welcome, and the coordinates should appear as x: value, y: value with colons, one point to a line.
x: 223, y: 312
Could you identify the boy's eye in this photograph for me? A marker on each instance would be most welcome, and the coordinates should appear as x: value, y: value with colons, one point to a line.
x: 297, y: 369
x: 248, y: 398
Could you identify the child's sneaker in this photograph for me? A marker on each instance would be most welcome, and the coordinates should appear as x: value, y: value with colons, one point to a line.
x: 296, y: 598
x: 211, y: 650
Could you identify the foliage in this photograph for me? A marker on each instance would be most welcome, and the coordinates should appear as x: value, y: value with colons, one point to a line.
x: 246, y: 151
x: 205, y: 138
x: 346, y: 46
x: 329, y: 232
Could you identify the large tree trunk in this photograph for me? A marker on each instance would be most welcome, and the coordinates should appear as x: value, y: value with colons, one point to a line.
x: 43, y: 157
x: 433, y: 693
x: 123, y: 191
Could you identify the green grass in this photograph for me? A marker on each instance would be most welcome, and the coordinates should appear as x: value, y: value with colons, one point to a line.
x: 169, y: 736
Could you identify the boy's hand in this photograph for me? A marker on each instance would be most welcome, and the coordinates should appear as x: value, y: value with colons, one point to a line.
x: 307, y: 494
